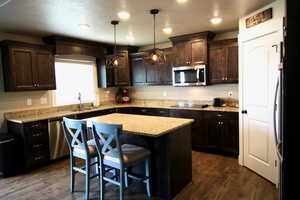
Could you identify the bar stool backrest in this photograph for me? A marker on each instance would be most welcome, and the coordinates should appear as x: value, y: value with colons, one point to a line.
x: 109, y: 135
x: 75, y: 133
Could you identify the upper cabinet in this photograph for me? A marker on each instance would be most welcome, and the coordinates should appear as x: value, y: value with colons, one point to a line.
x: 223, y: 61
x: 122, y: 71
x: 27, y: 66
x: 147, y: 74
x: 119, y: 75
x: 191, y: 49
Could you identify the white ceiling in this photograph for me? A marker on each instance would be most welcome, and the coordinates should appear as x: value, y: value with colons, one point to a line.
x: 61, y: 17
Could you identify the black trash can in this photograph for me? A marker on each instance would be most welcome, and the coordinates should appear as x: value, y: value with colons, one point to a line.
x: 8, y: 165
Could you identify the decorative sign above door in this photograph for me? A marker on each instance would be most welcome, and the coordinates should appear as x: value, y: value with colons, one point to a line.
x: 259, y: 18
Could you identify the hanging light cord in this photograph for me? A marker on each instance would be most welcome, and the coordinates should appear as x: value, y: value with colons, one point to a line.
x: 154, y: 30
x: 115, y: 36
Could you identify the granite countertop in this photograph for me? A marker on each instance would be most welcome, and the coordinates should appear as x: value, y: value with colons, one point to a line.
x: 152, y: 126
x: 55, y: 114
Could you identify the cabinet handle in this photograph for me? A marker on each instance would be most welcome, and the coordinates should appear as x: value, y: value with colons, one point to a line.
x: 38, y: 158
x: 219, y: 115
x: 36, y: 135
x: 143, y: 110
x: 37, y: 145
x: 35, y: 125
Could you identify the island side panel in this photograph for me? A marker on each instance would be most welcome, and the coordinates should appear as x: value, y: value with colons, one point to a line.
x: 171, y: 167
x: 180, y: 159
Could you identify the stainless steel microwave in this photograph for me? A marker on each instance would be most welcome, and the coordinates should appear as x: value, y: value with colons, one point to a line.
x: 189, y: 75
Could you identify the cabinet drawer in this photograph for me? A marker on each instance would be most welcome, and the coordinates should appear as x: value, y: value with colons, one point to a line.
x: 38, y: 158
x: 36, y: 126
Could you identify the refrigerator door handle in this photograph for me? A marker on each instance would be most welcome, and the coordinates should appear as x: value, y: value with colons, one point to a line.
x: 277, y: 142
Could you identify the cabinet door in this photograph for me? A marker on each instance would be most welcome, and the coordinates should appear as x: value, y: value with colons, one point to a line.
x: 165, y: 71
x: 181, y: 57
x: 198, y: 51
x: 21, y: 69
x: 217, y: 65
x: 232, y: 64
x: 122, y: 71
x: 213, y: 134
x: 138, y: 71
x: 229, y: 133
x: 152, y: 74
x: 44, y: 70
x: 199, y: 127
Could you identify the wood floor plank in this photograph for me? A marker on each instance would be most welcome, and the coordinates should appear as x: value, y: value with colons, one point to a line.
x: 215, y: 177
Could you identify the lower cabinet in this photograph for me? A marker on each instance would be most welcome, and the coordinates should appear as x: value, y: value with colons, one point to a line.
x: 33, y: 143
x: 95, y: 113
x: 212, y: 131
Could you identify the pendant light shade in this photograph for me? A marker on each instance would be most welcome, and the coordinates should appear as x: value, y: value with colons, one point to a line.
x: 113, y: 60
x: 155, y: 55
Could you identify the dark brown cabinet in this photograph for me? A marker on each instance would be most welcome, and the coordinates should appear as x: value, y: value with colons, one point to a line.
x: 138, y: 69
x: 27, y: 66
x: 147, y: 74
x: 212, y: 131
x: 223, y: 61
x: 190, y: 49
x: 122, y: 71
x: 95, y: 113
x: 33, y: 142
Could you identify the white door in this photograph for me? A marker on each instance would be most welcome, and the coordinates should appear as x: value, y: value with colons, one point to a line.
x: 260, y: 61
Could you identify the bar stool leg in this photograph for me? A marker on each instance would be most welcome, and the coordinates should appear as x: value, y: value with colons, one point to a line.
x: 121, y: 184
x: 148, y: 181
x: 72, y: 162
x: 87, y: 178
x: 101, y: 182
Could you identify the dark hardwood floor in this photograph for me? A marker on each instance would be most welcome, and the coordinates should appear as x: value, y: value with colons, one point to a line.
x: 215, y: 177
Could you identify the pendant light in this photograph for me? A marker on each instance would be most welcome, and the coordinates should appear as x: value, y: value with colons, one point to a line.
x: 155, y: 55
x: 113, y: 60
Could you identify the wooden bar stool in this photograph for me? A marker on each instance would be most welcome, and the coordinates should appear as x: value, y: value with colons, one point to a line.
x: 75, y: 132
x: 114, y: 156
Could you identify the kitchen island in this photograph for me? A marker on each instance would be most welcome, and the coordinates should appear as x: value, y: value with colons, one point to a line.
x: 168, y: 139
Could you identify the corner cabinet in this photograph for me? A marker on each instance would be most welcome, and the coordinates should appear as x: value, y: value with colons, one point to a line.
x: 191, y: 49
x: 27, y: 66
x: 223, y: 61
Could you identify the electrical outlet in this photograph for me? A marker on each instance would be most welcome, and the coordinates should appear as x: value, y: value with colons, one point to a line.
x: 165, y: 94
x: 230, y: 93
x: 43, y: 100
x: 29, y: 102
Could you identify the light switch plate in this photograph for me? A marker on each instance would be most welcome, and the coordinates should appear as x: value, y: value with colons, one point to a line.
x: 29, y: 102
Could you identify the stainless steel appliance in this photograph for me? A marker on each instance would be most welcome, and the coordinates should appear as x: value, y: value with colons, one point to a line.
x: 57, y: 141
x: 278, y: 117
x: 189, y: 75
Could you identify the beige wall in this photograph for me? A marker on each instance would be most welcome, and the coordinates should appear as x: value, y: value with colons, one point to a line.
x: 205, y: 93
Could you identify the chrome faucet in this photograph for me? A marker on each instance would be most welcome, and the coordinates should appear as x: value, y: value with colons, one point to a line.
x: 80, y: 102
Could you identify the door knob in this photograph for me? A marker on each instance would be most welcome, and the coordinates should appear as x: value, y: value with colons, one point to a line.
x: 244, y: 112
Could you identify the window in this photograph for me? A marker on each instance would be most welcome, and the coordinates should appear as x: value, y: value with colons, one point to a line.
x: 73, y: 78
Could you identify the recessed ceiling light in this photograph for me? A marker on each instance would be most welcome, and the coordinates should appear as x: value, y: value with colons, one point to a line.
x: 124, y: 15
x: 167, y: 30
x: 216, y: 20
x: 84, y: 26
x: 182, y: 1
x: 130, y: 38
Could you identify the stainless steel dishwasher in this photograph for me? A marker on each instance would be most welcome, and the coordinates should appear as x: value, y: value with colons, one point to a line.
x: 57, y: 142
